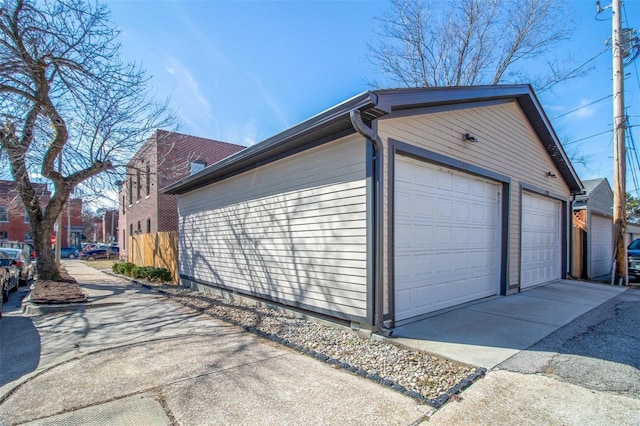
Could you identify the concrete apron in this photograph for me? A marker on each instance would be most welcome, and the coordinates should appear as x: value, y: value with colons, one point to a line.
x: 491, y: 331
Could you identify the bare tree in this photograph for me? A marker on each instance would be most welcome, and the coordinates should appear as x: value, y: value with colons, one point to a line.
x: 424, y: 43
x: 71, y: 112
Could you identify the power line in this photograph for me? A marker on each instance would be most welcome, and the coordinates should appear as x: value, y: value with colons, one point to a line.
x: 583, y: 106
x: 593, y: 136
x: 631, y: 157
x: 569, y: 74
x: 585, y: 138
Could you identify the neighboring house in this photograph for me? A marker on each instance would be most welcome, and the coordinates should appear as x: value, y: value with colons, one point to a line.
x: 14, y: 221
x: 387, y: 207
x: 593, y: 230
x: 165, y: 158
x: 633, y: 232
x: 110, y: 226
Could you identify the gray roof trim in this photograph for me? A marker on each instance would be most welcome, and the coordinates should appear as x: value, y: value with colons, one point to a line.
x: 330, y: 122
x: 375, y: 104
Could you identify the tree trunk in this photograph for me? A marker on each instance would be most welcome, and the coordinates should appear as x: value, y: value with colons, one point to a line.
x: 47, y: 267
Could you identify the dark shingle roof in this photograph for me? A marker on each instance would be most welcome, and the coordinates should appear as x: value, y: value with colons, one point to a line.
x: 374, y: 104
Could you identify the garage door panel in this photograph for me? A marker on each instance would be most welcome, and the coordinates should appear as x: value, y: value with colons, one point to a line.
x: 540, y: 240
x: 446, y: 245
x: 601, y: 245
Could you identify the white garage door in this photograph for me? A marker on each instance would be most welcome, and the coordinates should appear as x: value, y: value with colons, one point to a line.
x: 541, y: 255
x: 447, y: 238
x: 601, y: 234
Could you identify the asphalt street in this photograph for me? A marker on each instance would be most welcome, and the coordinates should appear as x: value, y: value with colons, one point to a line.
x: 600, y: 350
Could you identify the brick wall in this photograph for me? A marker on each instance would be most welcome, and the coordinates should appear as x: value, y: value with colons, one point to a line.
x: 18, y: 228
x: 169, y: 155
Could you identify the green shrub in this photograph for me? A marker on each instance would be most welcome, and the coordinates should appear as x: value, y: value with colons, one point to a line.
x: 123, y: 268
x: 160, y: 274
x: 142, y: 272
x: 126, y: 268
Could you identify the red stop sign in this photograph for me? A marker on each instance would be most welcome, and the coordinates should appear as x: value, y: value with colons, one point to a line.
x: 52, y: 239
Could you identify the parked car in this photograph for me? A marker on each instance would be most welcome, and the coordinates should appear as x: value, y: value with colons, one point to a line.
x: 26, y: 268
x: 8, y: 275
x: 93, y: 246
x: 27, y: 248
x: 69, y: 252
x: 100, y: 254
x: 633, y: 253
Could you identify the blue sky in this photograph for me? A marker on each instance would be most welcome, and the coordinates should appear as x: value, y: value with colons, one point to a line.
x: 241, y: 71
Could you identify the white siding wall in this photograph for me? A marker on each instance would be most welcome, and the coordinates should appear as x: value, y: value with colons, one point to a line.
x: 293, y: 230
x: 601, y: 200
x: 507, y: 144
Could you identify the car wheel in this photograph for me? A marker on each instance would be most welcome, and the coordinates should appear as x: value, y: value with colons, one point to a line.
x: 21, y: 281
x: 72, y: 256
x: 90, y: 258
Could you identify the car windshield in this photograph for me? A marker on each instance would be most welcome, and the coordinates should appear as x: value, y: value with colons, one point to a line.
x: 635, y: 245
x: 12, y: 253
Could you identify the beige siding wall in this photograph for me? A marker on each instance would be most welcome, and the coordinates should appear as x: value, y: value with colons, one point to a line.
x: 294, y: 229
x: 507, y: 144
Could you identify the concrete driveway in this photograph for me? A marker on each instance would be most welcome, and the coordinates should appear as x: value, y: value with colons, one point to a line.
x: 137, y: 358
x: 489, y: 332
x: 567, y: 353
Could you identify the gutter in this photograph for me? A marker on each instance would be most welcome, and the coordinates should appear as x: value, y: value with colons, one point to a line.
x: 376, y: 159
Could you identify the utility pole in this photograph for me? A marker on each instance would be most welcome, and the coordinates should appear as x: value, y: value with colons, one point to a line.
x: 619, y: 153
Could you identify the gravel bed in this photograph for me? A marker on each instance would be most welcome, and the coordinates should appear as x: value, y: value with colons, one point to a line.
x: 425, y: 377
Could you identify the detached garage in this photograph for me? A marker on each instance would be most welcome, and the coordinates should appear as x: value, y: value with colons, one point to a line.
x: 593, y: 231
x: 387, y: 207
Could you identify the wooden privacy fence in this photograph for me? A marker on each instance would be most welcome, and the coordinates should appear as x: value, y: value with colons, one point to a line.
x: 159, y: 250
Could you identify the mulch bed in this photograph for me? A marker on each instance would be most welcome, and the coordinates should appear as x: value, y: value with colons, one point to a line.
x: 66, y: 290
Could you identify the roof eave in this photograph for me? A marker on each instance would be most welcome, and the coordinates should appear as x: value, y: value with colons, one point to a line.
x: 331, y: 121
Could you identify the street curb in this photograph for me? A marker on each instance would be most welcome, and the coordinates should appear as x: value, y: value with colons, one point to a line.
x: 35, y: 309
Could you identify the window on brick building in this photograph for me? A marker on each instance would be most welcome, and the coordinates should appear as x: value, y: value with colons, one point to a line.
x: 123, y: 206
x: 26, y: 216
x: 148, y: 226
x: 138, y: 184
x: 139, y: 228
x: 28, y: 236
x: 4, y: 214
x: 196, y: 166
x: 131, y: 229
x: 3, y: 235
x: 130, y: 190
x: 147, y: 173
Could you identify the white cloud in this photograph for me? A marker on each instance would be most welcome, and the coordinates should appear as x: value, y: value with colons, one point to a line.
x: 273, y: 105
x: 187, y: 98
x: 584, y: 111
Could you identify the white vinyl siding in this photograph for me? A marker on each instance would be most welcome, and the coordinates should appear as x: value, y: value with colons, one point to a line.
x: 541, y: 256
x: 507, y: 144
x: 293, y: 231
x: 601, y: 245
x: 447, y: 233
x: 601, y: 200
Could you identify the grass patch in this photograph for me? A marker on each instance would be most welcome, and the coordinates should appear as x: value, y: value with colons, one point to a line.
x: 101, y: 264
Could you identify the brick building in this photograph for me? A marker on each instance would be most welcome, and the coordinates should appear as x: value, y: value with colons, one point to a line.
x: 165, y: 158
x: 110, y: 226
x: 14, y: 221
